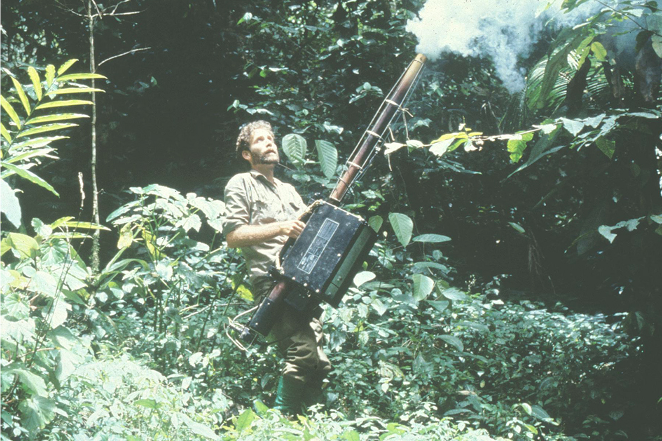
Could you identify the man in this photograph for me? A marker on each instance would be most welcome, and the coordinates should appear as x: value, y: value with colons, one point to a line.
x: 262, y: 214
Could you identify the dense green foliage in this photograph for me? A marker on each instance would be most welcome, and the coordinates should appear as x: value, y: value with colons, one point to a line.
x: 514, y: 293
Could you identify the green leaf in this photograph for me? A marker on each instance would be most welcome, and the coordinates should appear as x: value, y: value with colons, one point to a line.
x: 45, y: 128
x: 36, y: 412
x: 517, y: 227
x: 375, y: 223
x: 441, y: 147
x: 431, y: 238
x: 63, y: 103
x: 453, y: 341
x: 148, y: 403
x: 363, y: 277
x: 439, y: 305
x: 22, y: 96
x: 67, y: 64
x: 606, y: 146
x: 85, y: 225
x: 59, y: 312
x: 27, y: 247
x: 599, y: 51
x: 70, y: 90
x: 295, y: 147
x: 605, y: 231
x: 572, y: 126
x: 351, y: 435
x: 328, y: 157
x: 403, y: 227
x: 36, y: 82
x: 80, y: 76
x: 10, y: 205
x: 5, y: 133
x: 454, y: 294
x: 10, y: 111
x: 37, y: 142
x: 423, y: 286
x: 200, y: 429
x: 33, y: 382
x: 50, y: 75
x: 245, y: 420
x: 27, y: 174
x: 56, y: 117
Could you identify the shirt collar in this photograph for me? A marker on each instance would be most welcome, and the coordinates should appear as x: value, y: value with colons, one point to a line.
x: 257, y: 175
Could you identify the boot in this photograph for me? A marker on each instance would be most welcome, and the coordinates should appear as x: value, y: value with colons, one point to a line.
x: 313, y: 394
x: 289, y: 395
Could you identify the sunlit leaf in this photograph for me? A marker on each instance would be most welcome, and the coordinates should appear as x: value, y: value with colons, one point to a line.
x: 403, y: 227
x: 21, y: 95
x: 56, y: 117
x: 27, y: 174
x: 363, y: 277
x: 63, y: 103
x: 45, y: 128
x: 70, y: 90
x: 37, y: 142
x: 26, y: 246
x: 423, y: 286
x: 10, y: 111
x: 67, y: 64
x: 80, y: 76
x: 245, y: 420
x: 36, y: 412
x: 50, y: 75
x: 36, y: 82
x: 10, y: 205
x: 5, y: 133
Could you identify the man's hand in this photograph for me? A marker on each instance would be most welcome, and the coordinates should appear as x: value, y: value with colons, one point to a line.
x: 292, y: 229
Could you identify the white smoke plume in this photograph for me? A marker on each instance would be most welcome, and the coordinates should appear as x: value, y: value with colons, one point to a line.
x: 503, y: 30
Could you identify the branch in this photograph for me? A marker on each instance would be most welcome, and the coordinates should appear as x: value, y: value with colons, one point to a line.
x: 132, y: 51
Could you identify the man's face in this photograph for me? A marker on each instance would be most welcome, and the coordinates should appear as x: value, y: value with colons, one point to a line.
x: 263, y: 149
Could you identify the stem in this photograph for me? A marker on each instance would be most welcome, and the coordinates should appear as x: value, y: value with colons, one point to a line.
x: 93, y: 146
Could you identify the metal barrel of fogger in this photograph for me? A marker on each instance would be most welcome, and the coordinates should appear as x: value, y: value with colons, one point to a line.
x: 372, y: 137
x: 265, y: 316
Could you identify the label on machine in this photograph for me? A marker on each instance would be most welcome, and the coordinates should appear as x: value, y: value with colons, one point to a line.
x: 324, y: 259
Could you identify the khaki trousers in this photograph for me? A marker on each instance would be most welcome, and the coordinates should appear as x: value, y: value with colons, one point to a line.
x: 299, y: 338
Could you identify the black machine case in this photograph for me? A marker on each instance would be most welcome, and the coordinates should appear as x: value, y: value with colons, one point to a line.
x: 325, y: 257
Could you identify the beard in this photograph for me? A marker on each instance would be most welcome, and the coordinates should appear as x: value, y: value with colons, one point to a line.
x: 266, y: 159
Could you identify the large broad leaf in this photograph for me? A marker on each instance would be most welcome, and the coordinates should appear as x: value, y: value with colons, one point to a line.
x: 27, y: 174
x: 27, y: 247
x: 30, y: 380
x: 363, y: 277
x: 328, y: 156
x: 199, y: 429
x: 36, y: 412
x: 403, y: 227
x: 423, y: 286
x: 375, y: 223
x: 453, y: 341
x: 245, y: 420
x: 295, y: 148
x: 10, y: 205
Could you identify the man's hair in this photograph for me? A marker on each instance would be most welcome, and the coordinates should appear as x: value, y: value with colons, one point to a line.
x: 246, y: 134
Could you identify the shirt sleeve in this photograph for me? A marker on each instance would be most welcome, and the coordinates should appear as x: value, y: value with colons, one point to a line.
x: 237, y: 205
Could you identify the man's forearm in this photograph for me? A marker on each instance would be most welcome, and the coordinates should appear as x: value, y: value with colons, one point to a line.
x: 249, y: 235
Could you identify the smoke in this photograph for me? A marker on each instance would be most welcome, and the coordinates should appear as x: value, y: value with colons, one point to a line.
x: 503, y: 30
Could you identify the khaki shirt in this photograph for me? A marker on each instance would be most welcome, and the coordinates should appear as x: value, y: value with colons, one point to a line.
x: 250, y: 199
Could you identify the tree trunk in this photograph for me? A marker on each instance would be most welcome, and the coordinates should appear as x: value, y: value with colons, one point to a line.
x: 93, y: 146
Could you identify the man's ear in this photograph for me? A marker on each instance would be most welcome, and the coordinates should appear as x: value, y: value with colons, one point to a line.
x: 246, y: 155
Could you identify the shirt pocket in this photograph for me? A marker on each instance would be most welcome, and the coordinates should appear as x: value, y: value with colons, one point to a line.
x: 263, y: 213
